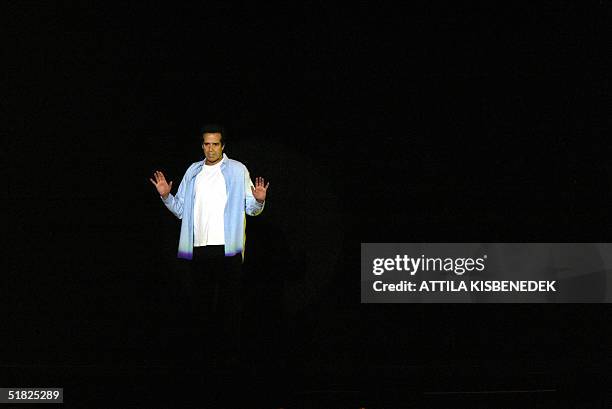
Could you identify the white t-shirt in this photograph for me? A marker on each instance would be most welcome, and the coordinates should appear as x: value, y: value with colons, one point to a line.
x: 209, y: 206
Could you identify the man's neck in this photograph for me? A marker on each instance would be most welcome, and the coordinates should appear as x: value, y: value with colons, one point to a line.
x: 206, y: 162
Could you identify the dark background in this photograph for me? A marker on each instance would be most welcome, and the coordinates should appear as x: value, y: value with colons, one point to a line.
x: 464, y: 123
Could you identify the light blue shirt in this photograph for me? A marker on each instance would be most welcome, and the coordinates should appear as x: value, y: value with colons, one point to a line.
x: 240, y: 202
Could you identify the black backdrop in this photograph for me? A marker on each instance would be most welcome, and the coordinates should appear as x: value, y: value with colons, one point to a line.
x: 373, y: 123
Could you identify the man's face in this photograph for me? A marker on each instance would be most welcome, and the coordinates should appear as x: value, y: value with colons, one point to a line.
x: 212, y: 148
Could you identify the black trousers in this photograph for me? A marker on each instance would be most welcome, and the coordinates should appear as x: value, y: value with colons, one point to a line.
x: 217, y: 303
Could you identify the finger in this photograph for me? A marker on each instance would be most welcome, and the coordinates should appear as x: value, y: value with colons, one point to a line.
x: 154, y: 184
x: 267, y: 184
x: 170, y: 185
x: 253, y: 190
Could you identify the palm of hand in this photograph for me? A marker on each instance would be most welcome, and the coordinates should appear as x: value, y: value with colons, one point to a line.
x: 259, y: 193
x: 163, y: 188
x: 260, y: 189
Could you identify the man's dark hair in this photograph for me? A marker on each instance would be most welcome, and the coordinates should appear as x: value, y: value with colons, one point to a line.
x: 214, y: 128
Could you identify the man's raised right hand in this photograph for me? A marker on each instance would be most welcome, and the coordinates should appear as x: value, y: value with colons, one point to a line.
x: 163, y: 188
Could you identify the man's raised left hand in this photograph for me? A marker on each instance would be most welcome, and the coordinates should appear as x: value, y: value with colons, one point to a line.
x: 260, y: 189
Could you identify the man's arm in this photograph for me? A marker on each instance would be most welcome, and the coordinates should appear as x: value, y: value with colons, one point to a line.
x: 255, y: 194
x: 173, y: 203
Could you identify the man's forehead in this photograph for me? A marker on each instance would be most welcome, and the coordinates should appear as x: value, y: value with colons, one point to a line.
x: 212, y: 137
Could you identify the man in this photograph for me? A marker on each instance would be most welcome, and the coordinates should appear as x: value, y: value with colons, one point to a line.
x: 211, y: 201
